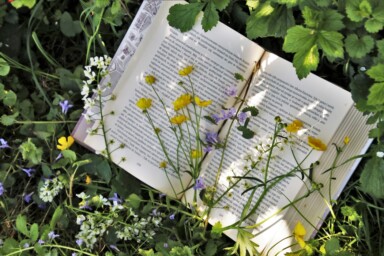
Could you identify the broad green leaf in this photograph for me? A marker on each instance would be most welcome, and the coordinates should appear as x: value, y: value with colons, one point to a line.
x: 10, y: 246
x: 21, y: 225
x: 68, y: 80
x: 299, y: 39
x: 183, y: 16
x: 69, y: 27
x: 69, y: 154
x: 331, y: 42
x: 101, y: 3
x: 134, y: 201
x: 9, y: 98
x: 30, y: 152
x: 116, y: 7
x: 288, y: 3
x: 56, y: 217
x: 377, y: 72
x: 376, y: 94
x: 332, y: 246
x: 357, y: 10
x: 329, y: 20
x: 210, y: 18
x: 252, y: 4
x: 359, y: 88
x: 34, y: 232
x: 221, y: 4
x: 306, y: 61
x: 373, y: 25
x: 358, y: 47
x: 323, y: 3
x: 379, y: 45
x: 210, y: 248
x: 8, y: 120
x: 20, y: 3
x: 99, y: 166
x: 372, y: 177
x: 4, y: 67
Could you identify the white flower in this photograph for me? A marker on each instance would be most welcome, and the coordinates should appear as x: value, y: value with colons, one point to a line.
x: 80, y: 219
x: 83, y: 196
x: 380, y: 154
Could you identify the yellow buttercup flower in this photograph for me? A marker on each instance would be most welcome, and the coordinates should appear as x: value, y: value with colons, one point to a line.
x: 202, y: 103
x: 88, y: 180
x: 144, y: 103
x: 182, y: 101
x: 179, y: 119
x: 65, y: 143
x: 346, y: 140
x: 163, y: 165
x: 295, y: 126
x: 299, y: 233
x: 149, y: 79
x: 186, y: 71
x: 316, y: 144
x: 195, y: 153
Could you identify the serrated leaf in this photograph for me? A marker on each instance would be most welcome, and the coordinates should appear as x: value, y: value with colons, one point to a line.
x: 358, y: 47
x: 210, y: 18
x: 380, y: 49
x: 34, y: 232
x: 298, y: 39
x: 221, y: 4
x: 329, y: 20
x: 331, y: 42
x: 372, y: 177
x: 30, y: 152
x: 69, y: 27
x: 8, y: 120
x: 376, y: 94
x: 183, y: 16
x: 10, y: 245
x: 56, y: 217
x: 9, y: 98
x: 4, y: 67
x: 69, y: 154
x: 323, y: 3
x: 21, y: 225
x: 357, y: 10
x: 377, y: 72
x: 332, y: 245
x: 373, y: 25
x: 306, y: 61
x: 288, y: 3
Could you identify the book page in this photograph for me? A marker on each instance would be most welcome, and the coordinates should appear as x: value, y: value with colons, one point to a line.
x: 216, y: 56
x: 275, y: 91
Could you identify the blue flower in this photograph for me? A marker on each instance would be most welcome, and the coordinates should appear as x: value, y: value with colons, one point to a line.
x: 242, y: 116
x: 232, y: 91
x: 79, y: 242
x: 199, y: 184
x: 65, y: 106
x: 172, y: 216
x: 52, y: 235
x: 41, y: 242
x: 3, y: 143
x: 207, y: 149
x: 211, y: 137
x: 114, y: 247
x: 227, y: 114
x: 1, y: 189
x: 28, y: 171
x: 26, y: 245
x: 28, y: 197
x: 115, y: 199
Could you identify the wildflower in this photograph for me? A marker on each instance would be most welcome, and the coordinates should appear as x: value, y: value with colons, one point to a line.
x: 207, y: 149
x: 242, y: 116
x: 26, y: 245
x: 28, y: 171
x: 1, y: 189
x: 228, y: 113
x: 295, y: 126
x: 115, y: 199
x: 88, y: 180
x: 79, y: 241
x: 199, y: 184
x: 149, y: 79
x: 195, y: 153
x: 50, y: 189
x: 182, y: 101
x: 144, y: 103
x: 216, y: 118
x: 186, y: 71
x: 316, y: 144
x: 203, y: 104
x: 80, y: 219
x: 299, y: 233
x: 165, y: 245
x: 3, y: 143
x: 52, y: 235
x: 179, y: 119
x: 113, y: 247
x: 65, y: 106
x: 232, y: 91
x: 40, y: 242
x: 28, y: 197
x: 172, y: 216
x: 65, y: 143
x: 380, y: 154
x: 163, y: 165
x: 211, y: 138
x: 346, y: 140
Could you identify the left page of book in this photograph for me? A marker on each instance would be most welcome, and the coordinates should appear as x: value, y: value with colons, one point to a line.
x: 216, y: 56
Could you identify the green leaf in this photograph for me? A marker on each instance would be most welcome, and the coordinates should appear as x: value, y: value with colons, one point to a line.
x: 101, y: 3
x: 21, y: 225
x: 69, y: 154
x: 9, y: 98
x: 239, y: 77
x: 68, y: 80
x: 183, y: 16
x: 329, y: 20
x: 377, y: 72
x: 99, y: 166
x: 134, y: 201
x: 358, y: 47
x: 373, y: 25
x: 323, y: 3
x: 34, y: 232
x: 357, y: 10
x: 56, y: 217
x: 210, y: 18
x: 332, y: 246
x: 8, y: 120
x: 69, y: 27
x: 299, y: 39
x: 116, y: 7
x: 4, y: 67
x: 252, y: 109
x: 10, y: 245
x: 210, y: 248
x: 30, y: 152
x: 331, y: 42
x: 376, y: 94
x: 20, y: 3
x: 306, y: 61
x: 246, y: 132
x: 221, y: 4
x: 380, y: 49
x: 372, y: 177
x: 288, y: 3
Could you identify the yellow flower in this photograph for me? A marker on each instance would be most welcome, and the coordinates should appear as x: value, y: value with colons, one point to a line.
x: 182, y: 101
x: 186, y: 71
x: 144, y: 103
x: 88, y: 180
x: 295, y: 126
x: 179, y: 119
x: 346, y: 140
x: 195, y: 153
x: 316, y: 144
x: 149, y: 79
x: 65, y: 143
x: 163, y: 165
x: 299, y: 233
x: 202, y: 103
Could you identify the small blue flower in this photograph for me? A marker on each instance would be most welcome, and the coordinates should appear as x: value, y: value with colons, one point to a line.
x: 1, y: 189
x: 65, y: 106
x: 52, y: 235
x: 28, y: 171
x: 3, y: 143
x: 41, y: 242
x: 115, y: 199
x: 227, y: 114
x: 216, y: 118
x: 232, y: 91
x: 79, y: 242
x: 28, y: 197
x: 26, y: 245
x: 172, y: 216
x: 74, y: 254
x: 199, y: 184
x: 113, y: 247
x: 165, y: 245
x: 207, y: 149
x: 242, y: 116
x: 211, y: 137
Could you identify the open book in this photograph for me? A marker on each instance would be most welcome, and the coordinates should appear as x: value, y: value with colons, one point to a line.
x: 152, y: 47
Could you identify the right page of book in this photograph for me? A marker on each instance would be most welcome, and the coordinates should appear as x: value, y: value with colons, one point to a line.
x: 275, y: 91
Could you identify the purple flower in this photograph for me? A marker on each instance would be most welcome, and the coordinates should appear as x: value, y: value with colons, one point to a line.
x: 52, y: 235
x: 216, y: 117
x: 242, y: 116
x: 115, y: 199
x: 232, y: 91
x: 113, y: 247
x: 86, y: 206
x: 207, y: 149
x: 42, y: 206
x: 28, y: 171
x: 41, y: 242
x: 3, y: 143
x: 199, y: 184
x: 59, y: 156
x: 26, y: 245
x: 172, y: 216
x: 65, y: 106
x: 74, y: 254
x: 211, y: 138
x: 228, y: 113
x: 28, y: 197
x: 79, y: 242
x: 1, y: 189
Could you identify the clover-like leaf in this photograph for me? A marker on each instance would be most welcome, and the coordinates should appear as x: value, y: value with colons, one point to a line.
x: 69, y: 27
x: 372, y: 177
x: 9, y: 98
x: 210, y: 18
x: 358, y: 47
x: 357, y: 10
x: 376, y: 94
x: 8, y: 120
x: 183, y: 16
x: 4, y: 67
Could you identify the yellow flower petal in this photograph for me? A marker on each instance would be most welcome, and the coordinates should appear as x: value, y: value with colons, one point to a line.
x: 144, y: 103
x: 346, y: 140
x: 295, y: 126
x: 182, y: 101
x: 299, y: 233
x: 186, y: 71
x: 195, y: 154
x: 65, y: 143
x: 179, y: 119
x: 316, y: 144
x: 149, y: 79
x: 88, y: 180
x: 202, y: 103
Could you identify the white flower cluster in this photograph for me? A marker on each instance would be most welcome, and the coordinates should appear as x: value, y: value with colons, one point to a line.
x: 50, y: 189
